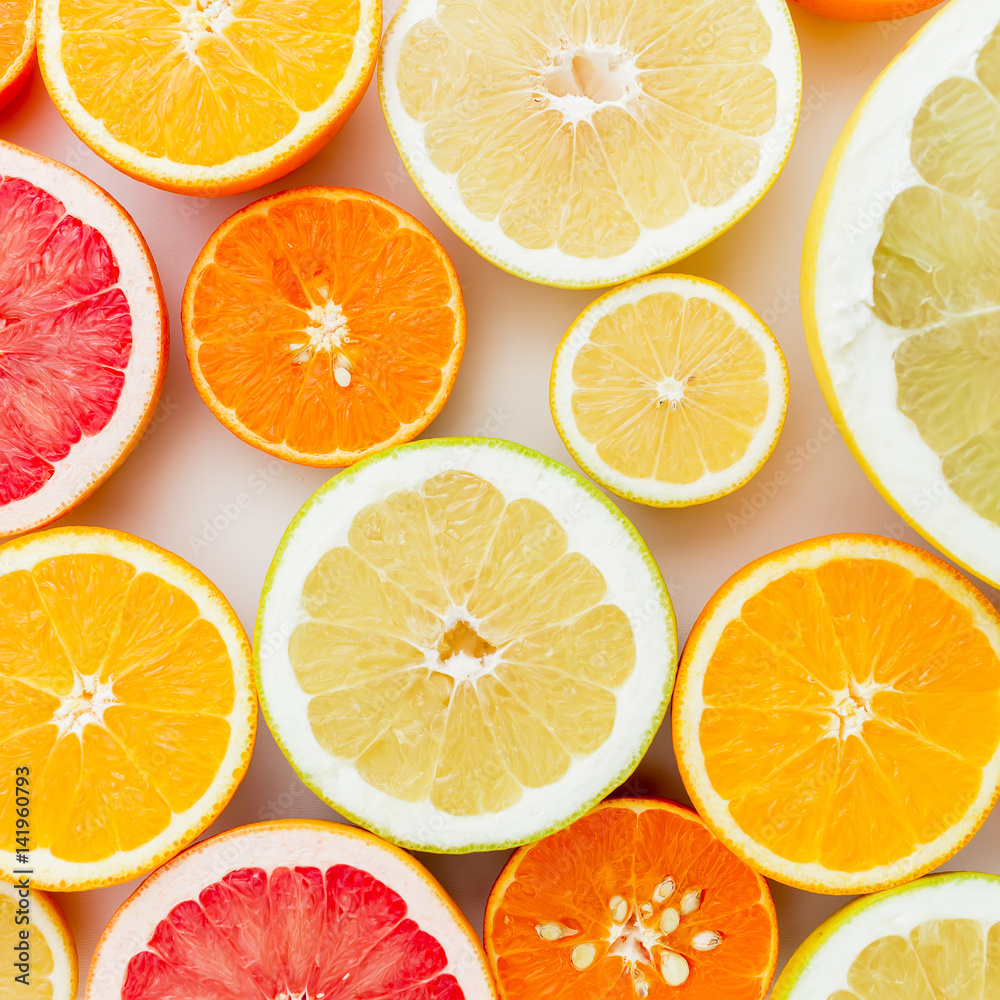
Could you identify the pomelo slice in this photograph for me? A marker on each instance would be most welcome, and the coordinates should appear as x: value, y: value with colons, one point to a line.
x: 83, y: 338
x: 18, y: 32
x: 638, y: 899
x: 583, y: 143
x: 355, y: 334
x: 669, y: 391
x: 289, y: 910
x: 125, y: 691
x: 837, y: 713
x: 210, y: 97
x: 462, y: 645
x: 49, y: 946
x: 936, y: 937
x: 901, y: 284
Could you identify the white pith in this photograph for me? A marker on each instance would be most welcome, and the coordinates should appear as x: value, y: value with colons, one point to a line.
x: 200, y: 17
x: 651, y: 490
x: 847, y: 719
x: 90, y: 458
x: 655, y: 248
x: 306, y: 843
x: 54, y: 872
x: 46, y: 922
x: 857, y: 348
x: 591, y: 528
x: 819, y: 967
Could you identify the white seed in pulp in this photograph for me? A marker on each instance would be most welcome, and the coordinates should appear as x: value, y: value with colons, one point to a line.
x: 706, y: 940
x: 343, y: 377
x: 583, y: 956
x: 646, y: 911
x: 619, y: 908
x: 674, y: 968
x: 553, y: 931
x: 664, y: 889
x: 691, y: 901
x: 670, y: 920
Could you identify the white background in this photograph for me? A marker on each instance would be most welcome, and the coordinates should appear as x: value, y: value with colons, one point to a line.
x: 189, y: 468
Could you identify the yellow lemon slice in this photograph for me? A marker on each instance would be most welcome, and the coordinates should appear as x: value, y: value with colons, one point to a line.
x: 40, y: 960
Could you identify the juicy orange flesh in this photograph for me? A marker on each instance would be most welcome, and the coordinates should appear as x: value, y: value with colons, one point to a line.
x: 419, y: 702
x: 570, y: 879
x: 13, y: 34
x: 314, y: 284
x: 40, y: 957
x: 850, y: 711
x: 205, y: 81
x: 620, y: 117
x: 669, y: 388
x: 939, y: 958
x: 937, y: 278
x: 115, y: 695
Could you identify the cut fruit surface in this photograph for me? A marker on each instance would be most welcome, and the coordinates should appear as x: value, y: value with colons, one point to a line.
x: 295, y: 908
x: 936, y: 937
x: 47, y: 954
x: 837, y: 715
x: 83, y: 338
x: 18, y: 32
x: 635, y: 900
x: 210, y: 97
x: 580, y: 144
x: 867, y: 10
x: 323, y: 324
x: 901, y: 285
x: 462, y: 645
x: 127, y: 695
x: 669, y: 391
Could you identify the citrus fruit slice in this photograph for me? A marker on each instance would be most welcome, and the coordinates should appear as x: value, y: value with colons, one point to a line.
x: 39, y: 952
x: 867, y: 10
x: 936, y: 937
x: 289, y: 909
x: 637, y: 899
x: 669, y: 391
x: 355, y: 334
x: 582, y: 143
x: 207, y: 97
x: 462, y: 645
x: 83, y: 338
x: 125, y: 698
x: 18, y: 31
x: 901, y: 284
x: 837, y: 714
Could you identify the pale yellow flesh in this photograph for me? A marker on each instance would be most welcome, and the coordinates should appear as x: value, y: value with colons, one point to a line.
x: 953, y: 959
x: 39, y: 982
x: 578, y: 125
x: 669, y: 388
x: 937, y: 277
x: 204, y: 81
x: 457, y: 650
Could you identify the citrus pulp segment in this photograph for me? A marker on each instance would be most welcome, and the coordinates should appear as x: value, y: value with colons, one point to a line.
x: 901, y: 285
x: 463, y: 645
x: 635, y: 900
x: 83, y: 338
x: 208, y: 97
x: 39, y: 952
x: 669, y: 391
x: 18, y: 31
x: 294, y: 908
x: 867, y: 10
x: 323, y: 324
x: 583, y: 143
x: 936, y: 937
x: 837, y: 713
x: 125, y: 694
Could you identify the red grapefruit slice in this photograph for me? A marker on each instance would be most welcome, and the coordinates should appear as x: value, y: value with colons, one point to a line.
x: 83, y: 338
x: 290, y: 910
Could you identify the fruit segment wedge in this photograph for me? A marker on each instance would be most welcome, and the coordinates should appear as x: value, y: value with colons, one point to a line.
x: 18, y: 32
x: 39, y: 950
x: 210, y: 97
x: 837, y: 718
x: 83, y: 338
x: 125, y: 692
x: 580, y: 144
x: 295, y: 908
x: 461, y: 644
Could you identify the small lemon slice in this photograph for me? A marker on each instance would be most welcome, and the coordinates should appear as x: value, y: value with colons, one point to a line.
x: 40, y: 960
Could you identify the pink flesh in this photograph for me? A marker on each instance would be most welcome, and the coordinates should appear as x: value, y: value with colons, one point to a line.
x: 294, y: 934
x: 65, y: 336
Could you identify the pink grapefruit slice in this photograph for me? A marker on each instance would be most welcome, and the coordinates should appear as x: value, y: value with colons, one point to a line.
x: 83, y: 338
x: 290, y: 910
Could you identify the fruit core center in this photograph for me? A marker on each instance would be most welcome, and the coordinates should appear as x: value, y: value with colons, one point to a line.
x: 85, y: 705
x: 204, y: 17
x: 326, y: 332
x: 670, y: 391
x: 580, y: 80
x: 462, y: 652
x: 852, y: 709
